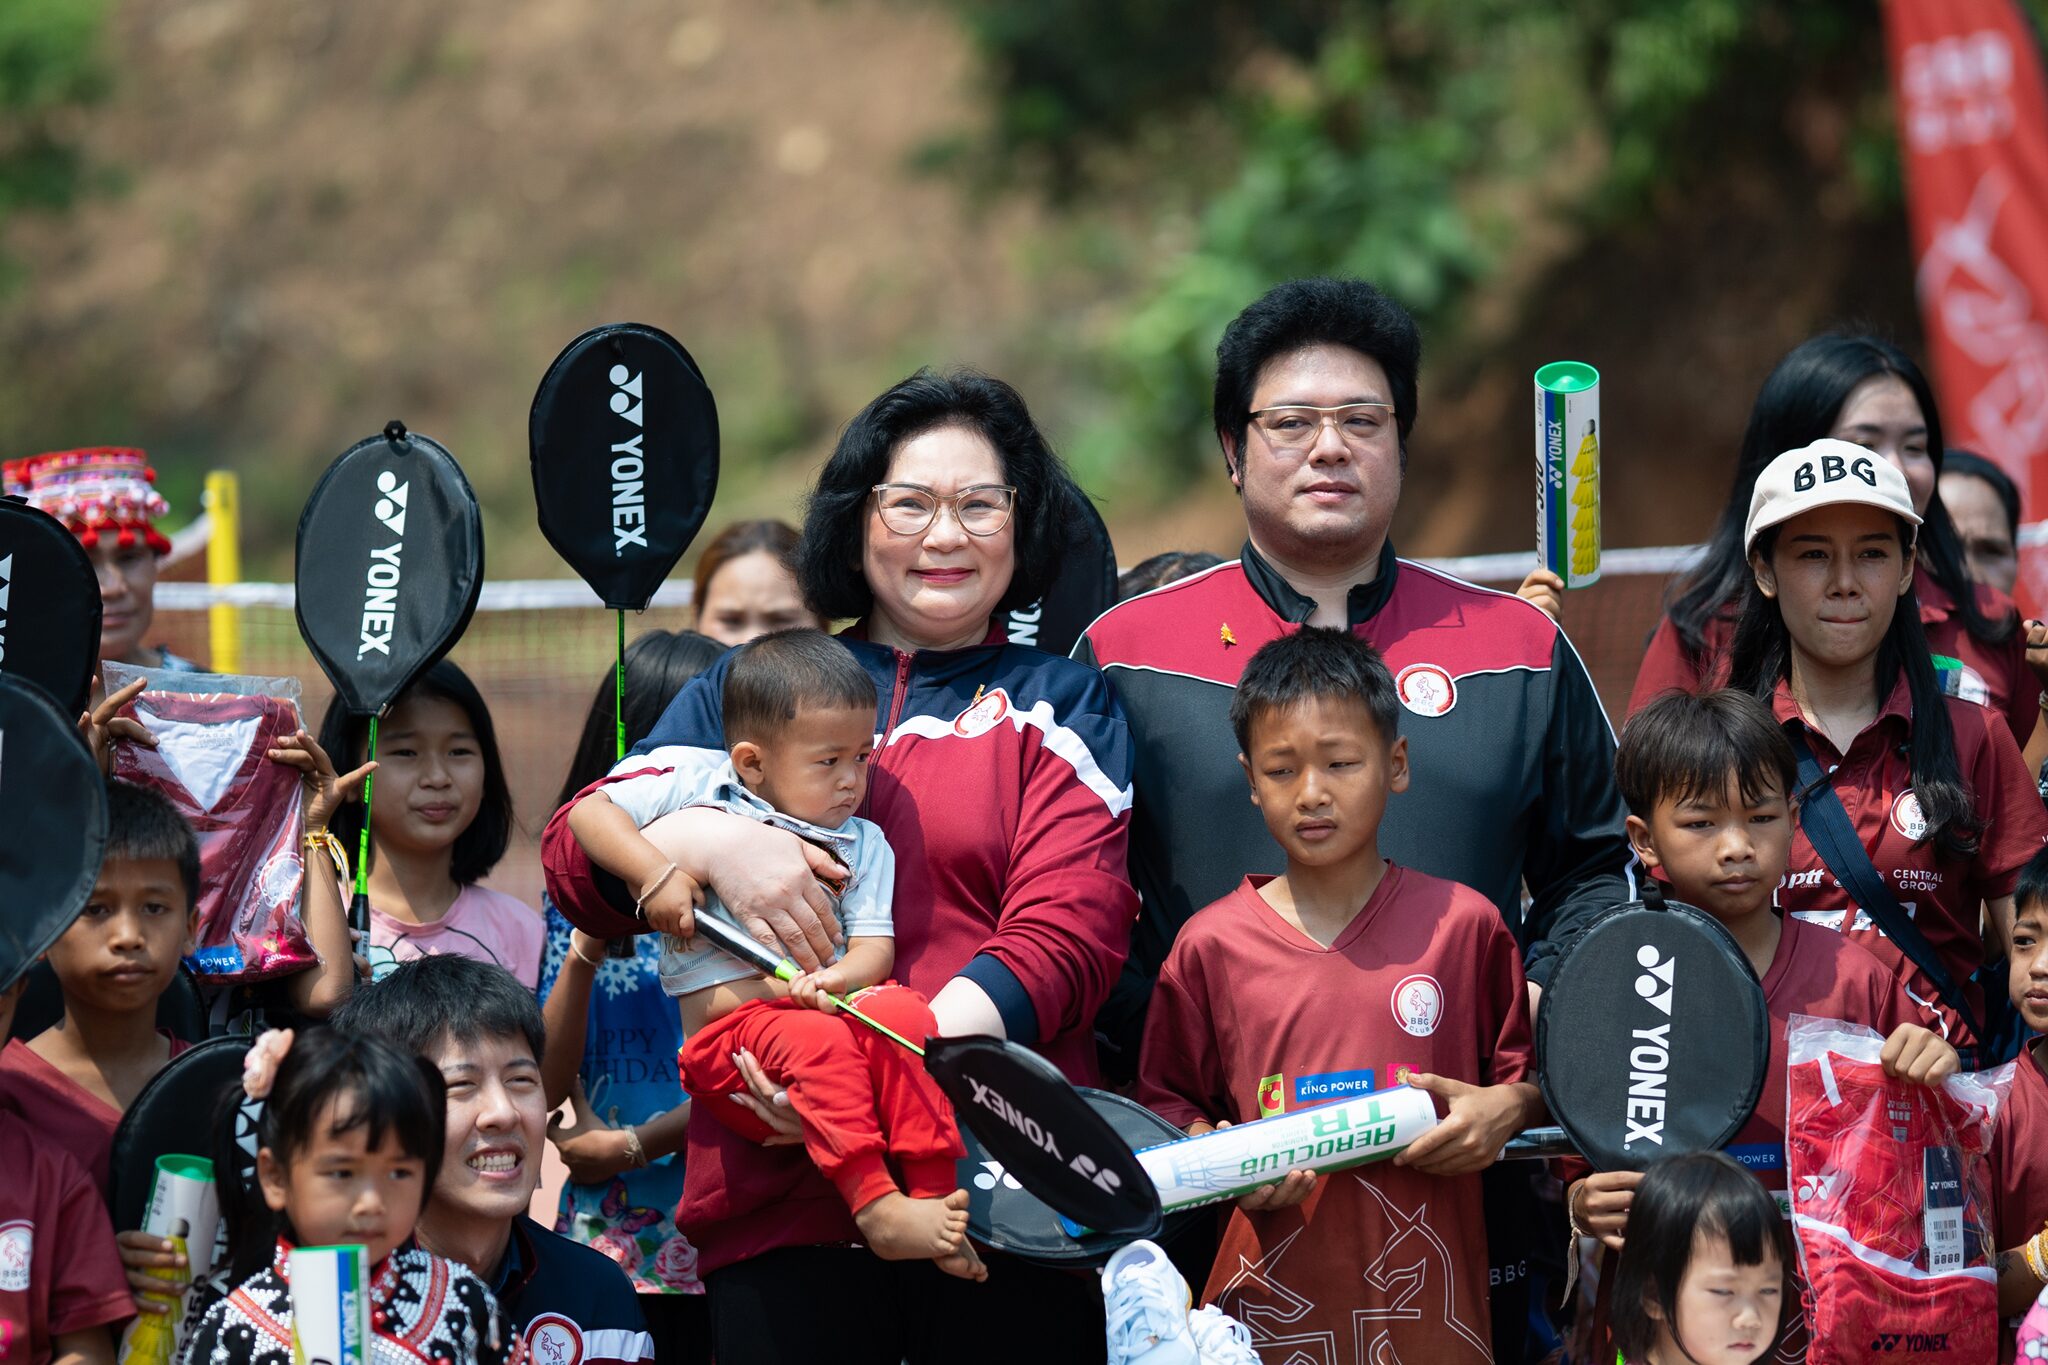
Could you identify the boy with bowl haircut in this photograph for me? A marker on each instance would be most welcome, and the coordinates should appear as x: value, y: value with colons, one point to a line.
x: 1343, y: 975
x: 1709, y: 782
x: 799, y: 715
x: 2021, y: 1200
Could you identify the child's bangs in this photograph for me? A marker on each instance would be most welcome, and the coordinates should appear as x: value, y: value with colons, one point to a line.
x: 1748, y: 1225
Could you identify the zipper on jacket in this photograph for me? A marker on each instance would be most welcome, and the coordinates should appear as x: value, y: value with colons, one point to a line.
x: 896, y: 695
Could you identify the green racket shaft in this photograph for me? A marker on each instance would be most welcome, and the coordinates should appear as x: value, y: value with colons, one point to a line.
x: 746, y: 949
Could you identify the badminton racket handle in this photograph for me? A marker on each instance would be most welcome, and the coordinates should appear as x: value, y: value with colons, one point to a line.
x: 743, y: 946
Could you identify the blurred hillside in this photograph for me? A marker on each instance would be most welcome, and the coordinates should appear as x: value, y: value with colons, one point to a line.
x: 307, y: 218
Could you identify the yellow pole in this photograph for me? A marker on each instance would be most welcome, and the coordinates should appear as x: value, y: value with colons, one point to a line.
x: 224, y: 565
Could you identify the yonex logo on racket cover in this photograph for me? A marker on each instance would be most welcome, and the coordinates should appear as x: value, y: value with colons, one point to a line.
x: 629, y: 464
x: 380, y: 588
x: 6, y: 590
x: 1649, y: 1060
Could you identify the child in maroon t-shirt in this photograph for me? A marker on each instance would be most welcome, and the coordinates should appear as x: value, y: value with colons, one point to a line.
x: 1706, y: 779
x: 61, y: 1286
x: 2021, y: 1204
x: 1343, y: 975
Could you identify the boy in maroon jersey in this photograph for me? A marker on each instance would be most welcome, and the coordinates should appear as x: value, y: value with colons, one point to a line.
x: 1708, y: 782
x: 1343, y: 975
x: 2022, y: 1199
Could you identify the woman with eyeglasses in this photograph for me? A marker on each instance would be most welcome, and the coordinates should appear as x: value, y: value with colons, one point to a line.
x: 1002, y: 778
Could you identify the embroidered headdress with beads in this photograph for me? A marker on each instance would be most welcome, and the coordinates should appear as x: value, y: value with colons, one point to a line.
x: 98, y: 491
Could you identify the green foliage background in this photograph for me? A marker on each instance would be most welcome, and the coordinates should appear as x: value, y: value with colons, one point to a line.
x: 50, y: 66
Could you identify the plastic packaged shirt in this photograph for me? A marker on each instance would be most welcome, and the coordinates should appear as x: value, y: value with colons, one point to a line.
x: 1891, y: 1202
x: 212, y: 732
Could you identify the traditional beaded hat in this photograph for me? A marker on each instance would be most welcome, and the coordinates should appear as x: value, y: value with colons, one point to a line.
x: 95, y: 491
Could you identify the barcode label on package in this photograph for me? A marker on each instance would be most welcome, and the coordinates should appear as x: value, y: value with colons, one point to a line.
x: 1944, y: 1217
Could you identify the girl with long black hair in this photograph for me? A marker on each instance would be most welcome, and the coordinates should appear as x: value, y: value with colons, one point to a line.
x: 1866, y: 391
x: 1933, y: 786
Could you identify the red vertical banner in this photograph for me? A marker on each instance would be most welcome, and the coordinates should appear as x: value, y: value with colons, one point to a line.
x: 1972, y: 102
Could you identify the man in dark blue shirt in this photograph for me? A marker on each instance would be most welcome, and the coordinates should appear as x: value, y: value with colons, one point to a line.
x: 569, y: 1304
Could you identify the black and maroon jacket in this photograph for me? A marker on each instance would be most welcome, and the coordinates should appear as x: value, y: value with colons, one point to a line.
x: 1511, y: 755
x: 1002, y: 779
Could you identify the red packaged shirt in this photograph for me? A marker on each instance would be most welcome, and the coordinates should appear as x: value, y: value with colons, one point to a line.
x: 67, y: 1117
x: 1995, y: 676
x: 59, y: 1271
x: 1891, y: 1198
x: 1252, y: 1018
x: 1875, y: 783
x: 211, y: 762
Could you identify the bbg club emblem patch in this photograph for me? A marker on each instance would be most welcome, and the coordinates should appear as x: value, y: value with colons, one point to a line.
x: 1418, y: 1005
x: 1426, y: 689
x: 984, y: 715
x: 17, y: 1254
x: 552, y: 1339
x: 1907, y: 817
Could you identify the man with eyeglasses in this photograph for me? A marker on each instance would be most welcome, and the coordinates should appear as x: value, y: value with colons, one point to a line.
x: 1512, y: 757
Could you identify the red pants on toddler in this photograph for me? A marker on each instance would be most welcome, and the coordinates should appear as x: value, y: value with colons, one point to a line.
x: 863, y: 1100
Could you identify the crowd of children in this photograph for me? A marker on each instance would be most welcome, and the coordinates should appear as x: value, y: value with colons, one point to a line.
x: 403, y: 1101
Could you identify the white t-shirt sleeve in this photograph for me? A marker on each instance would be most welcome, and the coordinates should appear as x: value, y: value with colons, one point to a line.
x: 865, y: 911
x: 664, y: 781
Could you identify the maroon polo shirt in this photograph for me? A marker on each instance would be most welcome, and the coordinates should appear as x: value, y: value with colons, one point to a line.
x: 1875, y: 783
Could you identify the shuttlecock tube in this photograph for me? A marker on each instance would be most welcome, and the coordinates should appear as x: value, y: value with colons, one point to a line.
x: 330, y: 1305
x: 1329, y: 1137
x: 1568, y: 471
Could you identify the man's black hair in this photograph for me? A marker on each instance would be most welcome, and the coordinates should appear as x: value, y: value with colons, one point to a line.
x: 1701, y: 1194
x: 1314, y: 312
x: 443, y: 997
x: 1314, y: 664
x: 1683, y: 747
x: 774, y: 676
x: 346, y: 739
x: 1045, y: 521
x: 143, y: 824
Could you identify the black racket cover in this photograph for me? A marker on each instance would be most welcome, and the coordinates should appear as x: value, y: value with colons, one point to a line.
x: 175, y: 1113
x: 1652, y: 1038
x: 53, y: 809
x: 390, y: 565
x: 623, y: 437
x: 1002, y: 1214
x: 1045, y: 1133
x: 1083, y: 587
x: 49, y: 605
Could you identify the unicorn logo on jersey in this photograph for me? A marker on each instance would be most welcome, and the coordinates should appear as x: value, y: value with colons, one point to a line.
x: 983, y: 716
x: 1426, y: 689
x: 1418, y: 1004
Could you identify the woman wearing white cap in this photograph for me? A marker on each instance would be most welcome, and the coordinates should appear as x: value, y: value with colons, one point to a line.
x: 1916, y: 808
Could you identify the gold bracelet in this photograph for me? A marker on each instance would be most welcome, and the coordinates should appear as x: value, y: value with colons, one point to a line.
x: 586, y: 961
x: 635, y: 1153
x: 2037, y: 1264
x: 640, y: 902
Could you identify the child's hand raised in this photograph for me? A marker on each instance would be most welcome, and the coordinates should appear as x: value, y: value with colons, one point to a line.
x: 324, y: 790
x: 1478, y: 1121
x: 104, y: 724
x: 672, y: 909
x: 1915, y: 1055
x: 1599, y: 1204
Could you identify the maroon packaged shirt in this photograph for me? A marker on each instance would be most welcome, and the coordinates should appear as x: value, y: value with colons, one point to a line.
x: 1251, y: 1017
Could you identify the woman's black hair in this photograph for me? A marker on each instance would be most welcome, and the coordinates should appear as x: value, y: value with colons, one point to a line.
x: 1797, y: 405
x: 346, y: 739
x: 658, y: 663
x: 1047, y: 516
x: 1683, y: 1198
x: 389, y: 1091
x: 1761, y: 657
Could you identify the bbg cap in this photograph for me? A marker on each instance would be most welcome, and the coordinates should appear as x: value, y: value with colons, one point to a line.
x: 1824, y: 474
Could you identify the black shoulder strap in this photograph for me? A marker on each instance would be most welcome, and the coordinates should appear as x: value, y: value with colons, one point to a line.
x: 1828, y: 826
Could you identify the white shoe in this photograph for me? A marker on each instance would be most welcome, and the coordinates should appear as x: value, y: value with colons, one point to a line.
x: 1146, y: 1302
x: 1221, y: 1339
